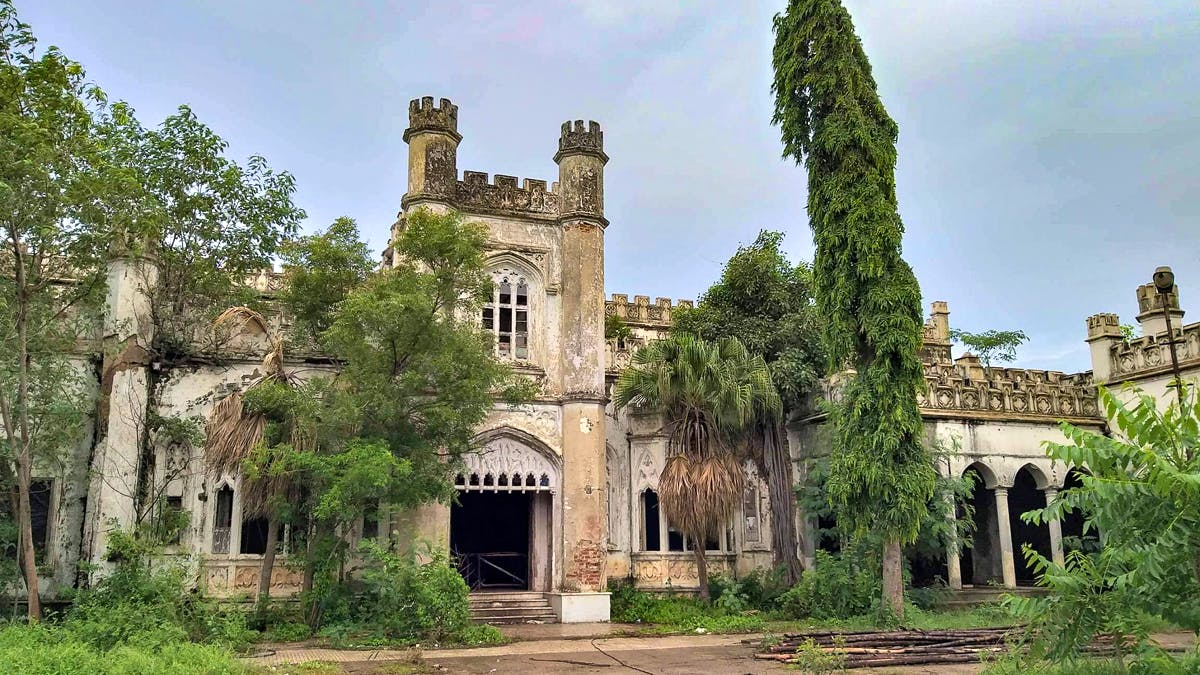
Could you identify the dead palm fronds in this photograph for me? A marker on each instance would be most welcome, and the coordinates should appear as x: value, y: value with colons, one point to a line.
x: 234, y: 432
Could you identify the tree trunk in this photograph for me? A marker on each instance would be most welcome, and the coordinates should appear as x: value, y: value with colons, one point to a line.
x: 893, y: 577
x: 27, y: 555
x: 268, y: 562
x: 701, y: 566
x: 777, y: 470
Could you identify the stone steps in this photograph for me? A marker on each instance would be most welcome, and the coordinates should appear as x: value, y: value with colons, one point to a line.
x: 511, y: 607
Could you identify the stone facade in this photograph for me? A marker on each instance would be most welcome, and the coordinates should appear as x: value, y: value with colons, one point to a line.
x: 581, y: 474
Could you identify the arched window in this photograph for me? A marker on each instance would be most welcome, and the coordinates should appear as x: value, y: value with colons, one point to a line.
x: 223, y: 522
x: 507, y: 314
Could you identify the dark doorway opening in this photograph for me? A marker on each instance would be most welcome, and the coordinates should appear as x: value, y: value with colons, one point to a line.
x: 981, y: 564
x: 1074, y: 538
x: 1025, y: 496
x: 490, y: 537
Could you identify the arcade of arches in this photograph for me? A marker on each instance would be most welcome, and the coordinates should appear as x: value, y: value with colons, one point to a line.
x: 996, y: 552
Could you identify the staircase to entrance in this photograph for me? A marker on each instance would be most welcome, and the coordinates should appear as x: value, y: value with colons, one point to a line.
x: 502, y: 607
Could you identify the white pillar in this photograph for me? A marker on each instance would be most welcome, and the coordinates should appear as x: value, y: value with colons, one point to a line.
x: 953, y: 566
x: 1007, y: 563
x: 1056, y: 542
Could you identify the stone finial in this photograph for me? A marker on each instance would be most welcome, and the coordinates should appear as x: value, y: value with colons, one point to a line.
x: 1103, y: 326
x: 577, y: 139
x: 424, y: 116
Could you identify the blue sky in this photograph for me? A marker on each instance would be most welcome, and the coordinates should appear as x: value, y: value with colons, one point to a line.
x: 1049, y: 150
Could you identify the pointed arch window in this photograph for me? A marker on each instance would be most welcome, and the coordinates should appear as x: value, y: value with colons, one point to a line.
x: 507, y: 315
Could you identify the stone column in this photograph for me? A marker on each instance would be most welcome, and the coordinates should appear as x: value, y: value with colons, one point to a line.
x: 1007, y: 563
x: 1055, y: 526
x: 953, y: 565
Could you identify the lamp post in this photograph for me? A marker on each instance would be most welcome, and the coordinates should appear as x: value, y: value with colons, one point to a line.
x: 1164, y: 283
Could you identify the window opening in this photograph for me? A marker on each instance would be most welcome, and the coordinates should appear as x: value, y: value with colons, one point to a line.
x: 650, y: 531
x: 222, y: 524
x: 507, y: 317
x: 39, y: 514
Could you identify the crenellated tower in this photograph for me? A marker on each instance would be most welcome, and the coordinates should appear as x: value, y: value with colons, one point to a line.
x: 433, y: 138
x: 581, y: 161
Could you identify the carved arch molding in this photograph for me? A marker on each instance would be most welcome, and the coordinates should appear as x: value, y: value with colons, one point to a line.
x: 508, y: 464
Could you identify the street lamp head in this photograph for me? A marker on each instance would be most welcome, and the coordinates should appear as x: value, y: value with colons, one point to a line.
x: 1164, y: 280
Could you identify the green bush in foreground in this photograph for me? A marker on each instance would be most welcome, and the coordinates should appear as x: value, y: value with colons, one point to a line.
x: 37, y: 650
x: 841, y: 585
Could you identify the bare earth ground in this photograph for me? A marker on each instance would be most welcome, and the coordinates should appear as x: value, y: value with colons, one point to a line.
x: 579, y: 649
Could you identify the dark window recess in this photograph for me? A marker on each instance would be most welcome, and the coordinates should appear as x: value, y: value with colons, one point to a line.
x: 370, y: 529
x: 674, y: 540
x: 39, y: 511
x: 487, y: 317
x: 254, y: 536
x: 171, y: 512
x: 223, y: 522
x: 650, y: 521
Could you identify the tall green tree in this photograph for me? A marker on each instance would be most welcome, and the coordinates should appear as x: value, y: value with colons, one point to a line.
x: 709, y: 394
x: 210, y: 222
x: 766, y: 302
x: 59, y: 210
x: 319, y: 271
x: 833, y: 122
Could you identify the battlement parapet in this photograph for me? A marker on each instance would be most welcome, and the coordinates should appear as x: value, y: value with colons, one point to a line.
x: 576, y: 139
x: 475, y: 193
x: 1149, y: 354
x: 641, y: 312
x: 423, y: 115
x: 963, y: 388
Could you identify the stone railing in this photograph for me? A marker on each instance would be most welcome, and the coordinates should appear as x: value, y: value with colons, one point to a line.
x: 965, y: 389
x: 640, y: 311
x: 1150, y: 353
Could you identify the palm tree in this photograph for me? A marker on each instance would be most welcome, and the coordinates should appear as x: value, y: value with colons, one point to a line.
x: 710, y: 394
x: 235, y: 432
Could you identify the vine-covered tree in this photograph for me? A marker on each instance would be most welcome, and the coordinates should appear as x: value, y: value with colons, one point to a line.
x: 832, y: 120
x: 766, y: 302
x: 709, y: 394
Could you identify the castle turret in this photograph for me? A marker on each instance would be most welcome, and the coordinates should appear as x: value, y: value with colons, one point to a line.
x: 581, y: 161
x: 1150, y: 308
x: 433, y: 139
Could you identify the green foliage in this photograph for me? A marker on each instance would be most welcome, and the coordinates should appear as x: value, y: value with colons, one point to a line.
x: 675, y: 614
x: 832, y: 119
x: 144, y: 603
x: 1150, y: 663
x: 405, y: 600
x: 812, y: 659
x: 766, y: 302
x: 1143, y: 494
x: 48, y: 649
x: 839, y: 586
x: 319, y: 271
x: 615, y: 328
x: 480, y: 634
x: 209, y: 221
x: 991, y: 345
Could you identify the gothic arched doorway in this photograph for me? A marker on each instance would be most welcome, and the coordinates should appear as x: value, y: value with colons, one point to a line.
x: 502, y: 522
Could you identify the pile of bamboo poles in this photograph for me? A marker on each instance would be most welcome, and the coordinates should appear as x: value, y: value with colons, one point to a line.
x: 867, y: 649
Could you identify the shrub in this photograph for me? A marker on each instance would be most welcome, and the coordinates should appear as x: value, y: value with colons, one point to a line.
x: 841, y: 585
x: 479, y: 634
x: 405, y: 600
x: 45, y: 649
